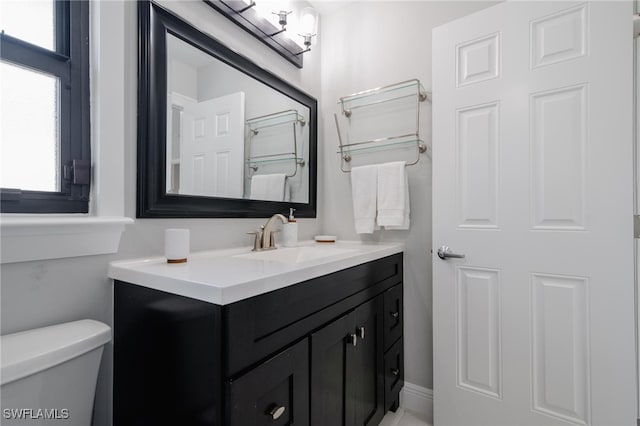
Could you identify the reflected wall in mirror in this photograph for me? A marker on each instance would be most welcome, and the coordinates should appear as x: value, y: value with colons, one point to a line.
x: 218, y: 136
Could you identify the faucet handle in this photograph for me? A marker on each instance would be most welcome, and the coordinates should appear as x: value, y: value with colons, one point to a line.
x: 256, y: 239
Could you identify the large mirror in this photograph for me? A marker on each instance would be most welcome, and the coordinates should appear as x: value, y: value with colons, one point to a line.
x: 218, y: 136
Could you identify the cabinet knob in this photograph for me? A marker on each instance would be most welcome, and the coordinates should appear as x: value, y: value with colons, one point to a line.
x: 360, y: 331
x: 276, y: 412
x: 353, y: 339
x: 395, y: 371
x: 394, y: 314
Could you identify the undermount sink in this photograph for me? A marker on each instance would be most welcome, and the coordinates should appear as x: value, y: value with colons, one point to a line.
x: 296, y: 254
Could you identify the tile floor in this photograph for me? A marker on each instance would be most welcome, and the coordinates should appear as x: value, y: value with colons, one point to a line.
x: 403, y: 417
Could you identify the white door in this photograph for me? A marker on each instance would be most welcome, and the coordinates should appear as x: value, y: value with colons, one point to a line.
x: 212, y: 151
x: 532, y: 151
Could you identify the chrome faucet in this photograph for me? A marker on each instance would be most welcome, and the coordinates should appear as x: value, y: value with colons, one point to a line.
x: 264, y: 238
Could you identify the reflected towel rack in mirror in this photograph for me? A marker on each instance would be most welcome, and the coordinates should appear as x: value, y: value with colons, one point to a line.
x: 280, y: 118
x: 380, y: 95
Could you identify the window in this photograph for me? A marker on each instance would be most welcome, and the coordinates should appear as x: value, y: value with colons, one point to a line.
x: 44, y: 106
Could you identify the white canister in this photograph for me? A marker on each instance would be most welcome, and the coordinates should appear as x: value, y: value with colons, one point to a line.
x: 176, y: 245
x: 290, y: 234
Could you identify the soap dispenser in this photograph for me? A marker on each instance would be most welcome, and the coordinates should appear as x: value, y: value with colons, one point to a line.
x: 290, y: 231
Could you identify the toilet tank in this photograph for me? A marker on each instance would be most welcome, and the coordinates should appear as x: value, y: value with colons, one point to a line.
x: 49, y: 374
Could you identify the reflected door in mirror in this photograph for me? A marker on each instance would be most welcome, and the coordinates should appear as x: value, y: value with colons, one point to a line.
x: 210, y: 151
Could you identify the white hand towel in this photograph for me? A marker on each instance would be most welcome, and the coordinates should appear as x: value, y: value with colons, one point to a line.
x: 406, y: 223
x: 363, y: 189
x: 393, y: 196
x: 287, y: 190
x: 269, y: 187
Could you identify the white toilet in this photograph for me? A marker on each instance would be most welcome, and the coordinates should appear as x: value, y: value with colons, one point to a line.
x: 49, y: 374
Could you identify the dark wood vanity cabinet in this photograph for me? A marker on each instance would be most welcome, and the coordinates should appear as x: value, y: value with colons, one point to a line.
x: 327, y: 351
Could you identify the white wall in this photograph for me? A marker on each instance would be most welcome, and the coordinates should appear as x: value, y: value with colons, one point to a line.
x: 183, y: 79
x: 367, y: 45
x: 35, y: 294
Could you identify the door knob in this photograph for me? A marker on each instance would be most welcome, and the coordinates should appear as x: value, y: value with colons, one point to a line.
x: 276, y: 411
x: 360, y: 331
x: 353, y: 339
x: 444, y: 252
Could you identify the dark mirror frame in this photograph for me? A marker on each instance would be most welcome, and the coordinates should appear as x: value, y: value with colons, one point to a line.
x: 154, y: 23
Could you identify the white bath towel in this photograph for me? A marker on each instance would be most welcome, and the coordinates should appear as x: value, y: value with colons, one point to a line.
x: 272, y: 187
x: 393, y: 196
x: 364, y: 194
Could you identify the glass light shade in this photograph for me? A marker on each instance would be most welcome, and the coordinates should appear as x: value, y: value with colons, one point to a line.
x: 308, y: 21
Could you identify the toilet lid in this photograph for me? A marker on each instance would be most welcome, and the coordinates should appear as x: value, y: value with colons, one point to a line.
x: 31, y: 351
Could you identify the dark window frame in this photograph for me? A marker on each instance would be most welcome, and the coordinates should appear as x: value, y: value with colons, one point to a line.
x: 70, y: 63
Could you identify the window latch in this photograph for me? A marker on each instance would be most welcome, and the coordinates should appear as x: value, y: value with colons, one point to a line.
x: 78, y: 172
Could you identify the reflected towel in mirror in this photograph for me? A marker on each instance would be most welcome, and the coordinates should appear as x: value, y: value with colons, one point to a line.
x: 271, y: 187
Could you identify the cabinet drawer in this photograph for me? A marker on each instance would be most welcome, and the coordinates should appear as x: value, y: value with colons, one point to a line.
x: 393, y: 375
x: 274, y: 320
x: 275, y: 393
x: 393, y: 314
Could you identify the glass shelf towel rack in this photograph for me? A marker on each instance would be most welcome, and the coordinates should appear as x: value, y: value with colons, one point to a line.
x: 379, y: 95
x: 279, y: 118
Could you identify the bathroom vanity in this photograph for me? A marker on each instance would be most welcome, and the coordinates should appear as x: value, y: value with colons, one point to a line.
x: 309, y: 335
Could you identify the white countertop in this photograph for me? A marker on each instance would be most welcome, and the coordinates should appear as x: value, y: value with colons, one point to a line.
x: 226, y: 276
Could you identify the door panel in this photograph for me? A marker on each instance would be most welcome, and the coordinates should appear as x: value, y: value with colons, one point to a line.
x: 274, y: 393
x: 393, y: 375
x: 347, y: 379
x: 365, y: 374
x: 532, y: 155
x: 479, y: 330
x: 477, y: 177
x: 330, y: 353
x: 558, y: 168
x: 393, y: 315
x: 559, y: 308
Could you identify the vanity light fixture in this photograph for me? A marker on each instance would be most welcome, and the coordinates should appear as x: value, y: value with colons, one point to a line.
x: 248, y: 16
x: 282, y: 20
x: 308, y: 26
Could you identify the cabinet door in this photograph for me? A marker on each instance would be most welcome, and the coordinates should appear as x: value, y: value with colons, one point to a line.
x: 393, y: 313
x: 366, y: 373
x: 347, y: 369
x: 331, y: 352
x: 393, y: 375
x: 275, y: 393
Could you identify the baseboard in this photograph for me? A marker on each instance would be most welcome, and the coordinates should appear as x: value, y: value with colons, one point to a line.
x: 417, y: 399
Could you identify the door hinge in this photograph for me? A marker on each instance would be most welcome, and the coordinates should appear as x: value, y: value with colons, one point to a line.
x: 636, y: 25
x: 78, y: 172
x: 636, y: 227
